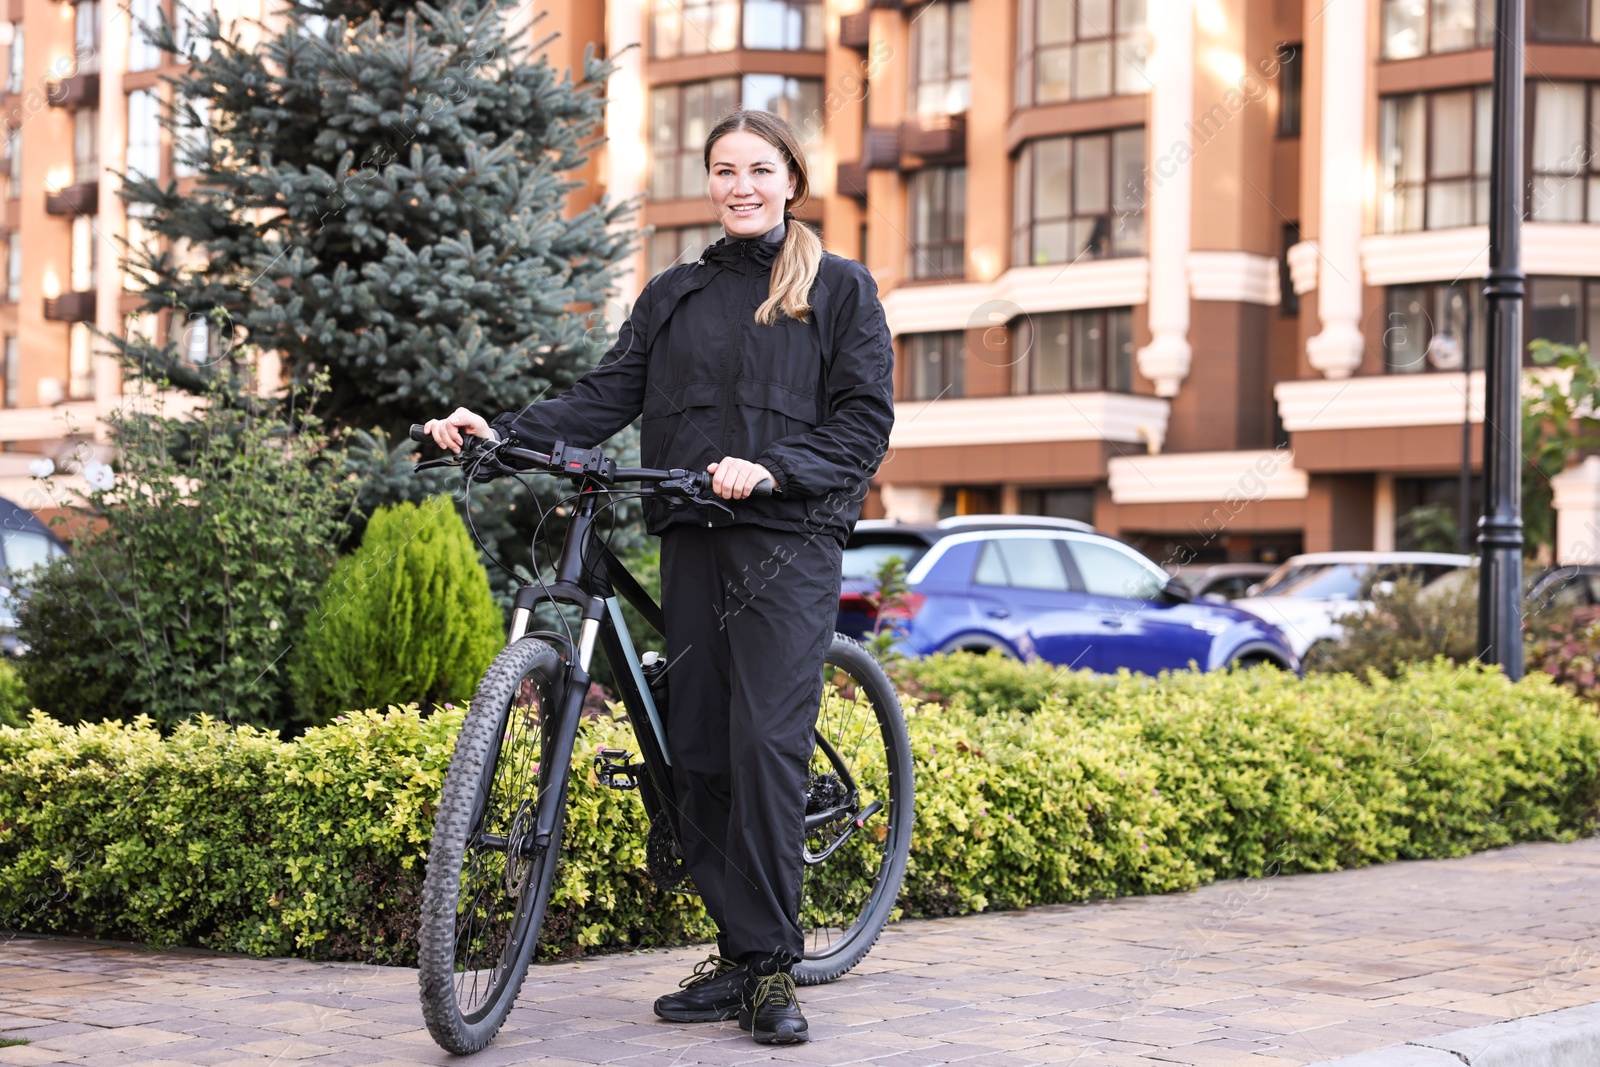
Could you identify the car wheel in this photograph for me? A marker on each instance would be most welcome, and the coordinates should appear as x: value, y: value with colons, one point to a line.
x: 978, y: 644
x: 1256, y: 659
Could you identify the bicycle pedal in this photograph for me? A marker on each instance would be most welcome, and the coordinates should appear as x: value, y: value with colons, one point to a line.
x: 612, y: 768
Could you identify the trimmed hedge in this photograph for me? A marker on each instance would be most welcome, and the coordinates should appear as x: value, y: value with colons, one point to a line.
x: 228, y: 838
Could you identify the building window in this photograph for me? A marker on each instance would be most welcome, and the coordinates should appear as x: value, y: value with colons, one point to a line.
x: 85, y: 253
x: 142, y: 55
x: 1068, y: 502
x: 1074, y: 352
x: 682, y: 115
x: 1289, y: 74
x: 13, y: 371
x: 681, y: 245
x: 141, y: 248
x: 938, y: 201
x: 14, y: 60
x: 1288, y: 299
x: 783, y: 25
x: 1416, y: 27
x: 798, y: 100
x: 14, y: 268
x: 1435, y: 327
x: 1079, y: 198
x: 189, y: 22
x: 1564, y: 311
x: 1564, y: 20
x: 1077, y: 49
x: 86, y: 144
x: 80, y: 380
x: 1434, y: 154
x: 1564, y: 172
x: 86, y: 35
x: 935, y: 365
x: 144, y: 133
x: 940, y: 59
x: 696, y: 27
x: 13, y: 162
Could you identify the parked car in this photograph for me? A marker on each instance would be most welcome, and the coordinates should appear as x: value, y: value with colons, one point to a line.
x: 1221, y: 582
x: 25, y: 543
x: 1307, y: 593
x: 1575, y: 585
x: 1057, y: 592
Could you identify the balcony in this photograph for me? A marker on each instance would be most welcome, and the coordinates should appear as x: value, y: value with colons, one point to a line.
x: 855, y: 30
x: 886, y: 5
x: 82, y: 198
x: 80, y: 90
x: 71, y: 307
x: 880, y: 148
x: 851, y: 180
x: 936, y: 138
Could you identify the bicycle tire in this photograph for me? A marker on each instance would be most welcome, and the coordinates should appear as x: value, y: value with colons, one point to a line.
x: 848, y: 898
x: 490, y: 773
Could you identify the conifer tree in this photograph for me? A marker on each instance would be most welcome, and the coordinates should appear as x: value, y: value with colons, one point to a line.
x: 379, y: 193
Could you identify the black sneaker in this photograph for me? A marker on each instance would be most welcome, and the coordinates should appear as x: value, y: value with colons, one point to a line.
x: 773, y: 1014
x: 714, y: 992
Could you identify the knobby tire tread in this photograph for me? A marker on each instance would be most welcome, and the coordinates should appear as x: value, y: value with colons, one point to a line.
x: 442, y: 882
x: 853, y: 656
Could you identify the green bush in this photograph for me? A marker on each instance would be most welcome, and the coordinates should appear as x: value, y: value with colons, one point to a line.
x: 408, y: 617
x: 1407, y: 624
x: 205, y: 550
x: 231, y: 839
x: 14, y: 703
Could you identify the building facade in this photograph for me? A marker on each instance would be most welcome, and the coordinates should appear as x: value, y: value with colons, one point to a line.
x: 1206, y: 273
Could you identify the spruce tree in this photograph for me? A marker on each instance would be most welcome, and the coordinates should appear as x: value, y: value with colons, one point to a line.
x: 379, y: 193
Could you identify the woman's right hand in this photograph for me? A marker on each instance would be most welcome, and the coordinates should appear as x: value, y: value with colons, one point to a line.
x: 446, y: 432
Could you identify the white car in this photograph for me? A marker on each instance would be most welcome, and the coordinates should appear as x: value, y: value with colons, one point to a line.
x: 1307, y: 593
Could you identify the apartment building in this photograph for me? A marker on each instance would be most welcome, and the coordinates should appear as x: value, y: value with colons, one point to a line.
x: 1203, y: 272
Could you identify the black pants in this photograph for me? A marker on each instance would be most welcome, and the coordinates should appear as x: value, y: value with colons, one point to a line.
x: 750, y: 613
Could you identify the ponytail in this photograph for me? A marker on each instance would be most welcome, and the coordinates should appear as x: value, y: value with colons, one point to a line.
x: 793, y: 273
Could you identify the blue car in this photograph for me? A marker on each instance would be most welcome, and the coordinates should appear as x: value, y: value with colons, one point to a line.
x: 1047, y: 589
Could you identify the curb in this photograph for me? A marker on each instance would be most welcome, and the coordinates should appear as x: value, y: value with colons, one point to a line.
x: 1566, y: 1038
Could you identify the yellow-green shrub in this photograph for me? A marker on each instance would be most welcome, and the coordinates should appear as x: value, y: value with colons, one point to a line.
x: 229, y: 838
x: 407, y: 617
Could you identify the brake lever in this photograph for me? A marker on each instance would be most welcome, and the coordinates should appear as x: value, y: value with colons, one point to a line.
x: 689, y: 484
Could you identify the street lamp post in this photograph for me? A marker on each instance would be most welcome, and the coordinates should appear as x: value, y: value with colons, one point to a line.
x: 1500, y: 528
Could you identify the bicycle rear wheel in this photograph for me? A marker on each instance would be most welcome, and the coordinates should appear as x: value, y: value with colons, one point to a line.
x: 488, y: 883
x: 858, y: 814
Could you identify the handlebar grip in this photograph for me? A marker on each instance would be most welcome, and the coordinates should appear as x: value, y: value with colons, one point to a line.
x: 418, y: 433
x: 763, y: 488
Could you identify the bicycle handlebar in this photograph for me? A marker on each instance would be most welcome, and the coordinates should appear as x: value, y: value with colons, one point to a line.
x: 591, y: 464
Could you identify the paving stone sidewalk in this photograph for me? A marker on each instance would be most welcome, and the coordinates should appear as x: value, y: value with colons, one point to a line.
x: 1288, y: 970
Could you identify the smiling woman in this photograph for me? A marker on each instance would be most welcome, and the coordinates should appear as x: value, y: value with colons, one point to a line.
x: 767, y: 363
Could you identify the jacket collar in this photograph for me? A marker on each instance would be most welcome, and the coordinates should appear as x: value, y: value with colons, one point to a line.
x: 737, y: 251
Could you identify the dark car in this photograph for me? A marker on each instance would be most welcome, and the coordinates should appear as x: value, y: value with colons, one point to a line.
x: 1575, y: 585
x: 1060, y: 593
x: 1223, y: 581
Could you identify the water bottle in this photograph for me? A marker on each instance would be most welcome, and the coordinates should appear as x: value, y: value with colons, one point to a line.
x: 654, y: 669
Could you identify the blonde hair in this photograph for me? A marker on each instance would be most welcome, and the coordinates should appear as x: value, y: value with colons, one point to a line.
x: 795, y: 269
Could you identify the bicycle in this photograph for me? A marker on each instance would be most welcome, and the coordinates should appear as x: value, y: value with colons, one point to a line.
x: 498, y: 828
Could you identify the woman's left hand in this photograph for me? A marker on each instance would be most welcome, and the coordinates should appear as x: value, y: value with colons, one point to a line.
x: 735, y: 479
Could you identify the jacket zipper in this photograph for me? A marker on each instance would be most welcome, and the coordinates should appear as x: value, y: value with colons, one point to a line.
x: 731, y: 359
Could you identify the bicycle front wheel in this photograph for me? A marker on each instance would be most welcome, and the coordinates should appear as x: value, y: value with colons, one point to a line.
x: 488, y: 881
x: 858, y: 814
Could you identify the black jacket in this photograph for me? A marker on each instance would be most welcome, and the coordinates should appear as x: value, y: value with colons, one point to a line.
x: 810, y: 401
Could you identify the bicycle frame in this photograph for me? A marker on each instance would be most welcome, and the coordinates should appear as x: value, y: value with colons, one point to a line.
x: 592, y: 581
